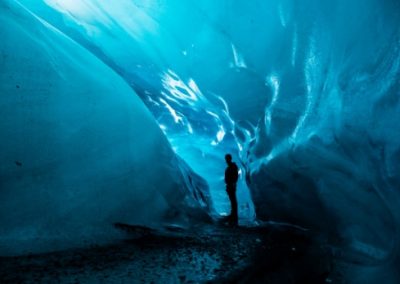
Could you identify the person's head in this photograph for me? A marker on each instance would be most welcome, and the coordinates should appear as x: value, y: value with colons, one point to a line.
x: 228, y: 158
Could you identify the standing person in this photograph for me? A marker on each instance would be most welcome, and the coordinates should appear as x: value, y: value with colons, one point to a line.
x: 231, y: 178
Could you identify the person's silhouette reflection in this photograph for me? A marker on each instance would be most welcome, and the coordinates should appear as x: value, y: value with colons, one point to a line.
x: 231, y: 178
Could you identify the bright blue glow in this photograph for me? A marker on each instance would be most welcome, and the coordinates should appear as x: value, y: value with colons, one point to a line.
x: 304, y: 94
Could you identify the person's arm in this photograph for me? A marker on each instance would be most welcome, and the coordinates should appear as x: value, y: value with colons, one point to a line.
x: 236, y: 173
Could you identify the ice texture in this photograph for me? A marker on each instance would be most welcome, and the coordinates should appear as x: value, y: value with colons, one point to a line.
x: 304, y: 94
x: 150, y: 51
x: 79, y: 149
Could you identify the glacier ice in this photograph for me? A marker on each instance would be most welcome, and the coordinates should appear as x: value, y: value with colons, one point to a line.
x: 195, y: 123
x: 80, y: 150
x: 303, y: 93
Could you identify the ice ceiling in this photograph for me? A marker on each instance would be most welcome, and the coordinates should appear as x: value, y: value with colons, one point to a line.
x: 146, y: 96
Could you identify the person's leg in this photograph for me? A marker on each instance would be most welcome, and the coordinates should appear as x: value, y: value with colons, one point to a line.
x: 233, y: 218
x: 234, y: 205
x: 228, y: 191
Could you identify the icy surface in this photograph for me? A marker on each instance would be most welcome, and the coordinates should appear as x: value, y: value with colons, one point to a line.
x: 303, y: 93
x: 79, y: 149
x: 156, y: 57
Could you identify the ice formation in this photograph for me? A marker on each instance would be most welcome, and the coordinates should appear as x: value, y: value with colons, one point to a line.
x: 305, y: 94
x: 80, y: 151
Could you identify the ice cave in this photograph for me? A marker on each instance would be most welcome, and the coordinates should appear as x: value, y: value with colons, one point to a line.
x: 121, y: 112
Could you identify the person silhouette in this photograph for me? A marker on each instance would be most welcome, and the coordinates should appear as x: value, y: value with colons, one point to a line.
x: 231, y: 178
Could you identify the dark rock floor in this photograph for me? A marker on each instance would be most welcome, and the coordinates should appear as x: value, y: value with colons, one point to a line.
x: 215, y: 254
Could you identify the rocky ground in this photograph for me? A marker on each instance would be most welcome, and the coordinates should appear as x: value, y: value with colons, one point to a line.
x: 213, y: 253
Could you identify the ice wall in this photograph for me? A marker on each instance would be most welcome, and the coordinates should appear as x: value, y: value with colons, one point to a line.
x: 304, y: 93
x: 148, y: 48
x: 79, y: 149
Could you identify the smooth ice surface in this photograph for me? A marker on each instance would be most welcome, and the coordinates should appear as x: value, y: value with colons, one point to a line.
x: 139, y: 40
x: 79, y: 149
x: 305, y: 94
